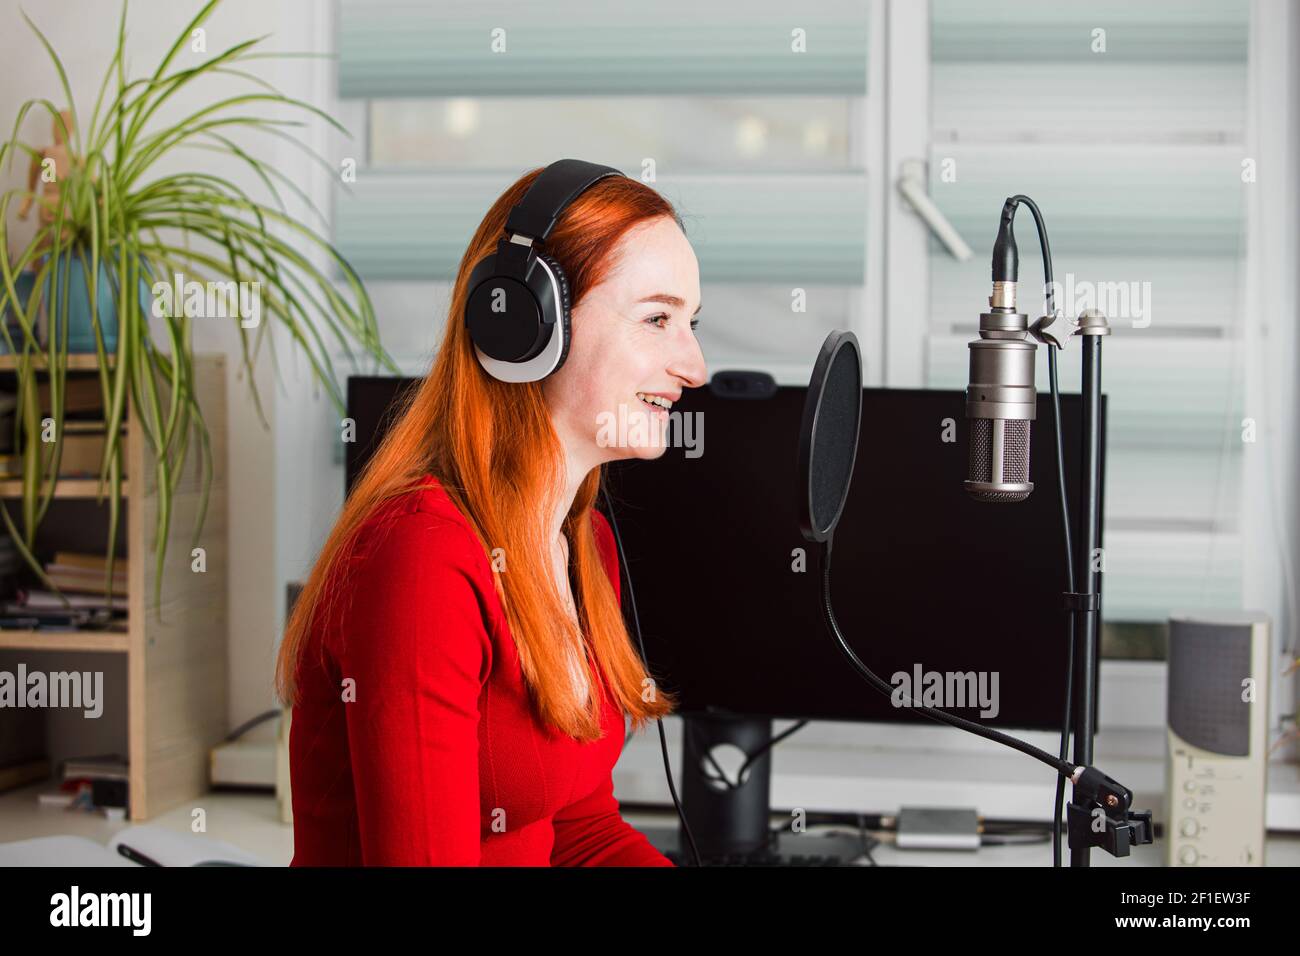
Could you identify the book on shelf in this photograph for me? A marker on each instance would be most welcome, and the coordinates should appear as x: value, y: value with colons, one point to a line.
x: 88, y: 562
x: 79, y: 580
x: 108, y: 767
x: 15, y: 617
x: 81, y: 393
x: 33, y: 622
x: 78, y: 572
x: 39, y: 599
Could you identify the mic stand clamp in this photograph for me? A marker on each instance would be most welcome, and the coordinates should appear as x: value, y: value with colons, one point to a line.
x: 1098, y: 815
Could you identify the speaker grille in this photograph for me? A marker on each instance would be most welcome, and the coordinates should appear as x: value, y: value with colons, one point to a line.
x: 1207, y: 663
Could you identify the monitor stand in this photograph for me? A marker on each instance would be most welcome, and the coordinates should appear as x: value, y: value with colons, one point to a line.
x: 725, y: 818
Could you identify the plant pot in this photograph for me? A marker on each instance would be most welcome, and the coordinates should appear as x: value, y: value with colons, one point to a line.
x: 74, y: 287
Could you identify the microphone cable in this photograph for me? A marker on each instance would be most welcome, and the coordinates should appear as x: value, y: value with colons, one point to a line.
x: 934, y: 713
x: 1050, y: 298
x: 645, y: 661
x: 1070, y: 622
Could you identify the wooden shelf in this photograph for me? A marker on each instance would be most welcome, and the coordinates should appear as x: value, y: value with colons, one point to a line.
x: 77, y: 361
x: 66, y: 488
x: 115, y: 642
x: 175, y: 709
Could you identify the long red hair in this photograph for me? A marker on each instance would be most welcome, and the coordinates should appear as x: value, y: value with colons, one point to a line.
x: 492, y: 447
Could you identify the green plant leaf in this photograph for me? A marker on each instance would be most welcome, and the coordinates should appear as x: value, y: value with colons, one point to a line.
x: 117, y: 224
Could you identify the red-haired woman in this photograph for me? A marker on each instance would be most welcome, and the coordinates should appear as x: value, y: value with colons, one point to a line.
x: 458, y: 663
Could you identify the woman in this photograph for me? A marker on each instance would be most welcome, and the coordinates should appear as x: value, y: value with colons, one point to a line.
x: 458, y: 663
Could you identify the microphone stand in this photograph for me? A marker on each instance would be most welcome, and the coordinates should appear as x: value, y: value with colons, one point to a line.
x: 1096, y: 815
x: 1100, y: 811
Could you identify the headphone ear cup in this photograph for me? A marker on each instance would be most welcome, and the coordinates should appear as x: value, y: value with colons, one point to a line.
x: 563, y: 318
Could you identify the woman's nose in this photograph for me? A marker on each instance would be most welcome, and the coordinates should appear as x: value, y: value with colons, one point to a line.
x: 689, y: 364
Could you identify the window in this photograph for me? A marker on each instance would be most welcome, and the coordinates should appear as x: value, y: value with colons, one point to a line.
x: 747, y: 116
x: 1126, y: 123
x: 780, y: 132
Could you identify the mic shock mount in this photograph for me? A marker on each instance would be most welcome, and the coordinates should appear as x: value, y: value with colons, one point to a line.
x: 1089, y: 322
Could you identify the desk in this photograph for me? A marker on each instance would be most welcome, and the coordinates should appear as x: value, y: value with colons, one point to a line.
x: 1281, y: 849
x: 251, y: 822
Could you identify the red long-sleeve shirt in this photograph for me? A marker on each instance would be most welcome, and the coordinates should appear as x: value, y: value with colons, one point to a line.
x: 413, y: 742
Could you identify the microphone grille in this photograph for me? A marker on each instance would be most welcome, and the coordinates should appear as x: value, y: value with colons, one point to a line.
x: 981, y: 449
x: 989, y: 479
x: 1015, y: 437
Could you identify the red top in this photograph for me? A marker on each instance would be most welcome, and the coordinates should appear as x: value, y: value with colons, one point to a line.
x: 431, y: 755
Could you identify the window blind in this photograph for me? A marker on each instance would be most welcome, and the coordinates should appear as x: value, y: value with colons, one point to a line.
x: 1135, y: 155
x: 760, y: 219
x: 743, y: 227
x: 396, y: 48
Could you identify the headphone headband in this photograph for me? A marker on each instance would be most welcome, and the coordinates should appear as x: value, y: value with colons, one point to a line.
x: 550, y: 194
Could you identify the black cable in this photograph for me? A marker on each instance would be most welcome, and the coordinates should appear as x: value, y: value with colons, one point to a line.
x: 1043, y: 244
x: 757, y: 754
x: 1013, y: 841
x: 869, y: 843
x: 248, y: 725
x: 1070, y: 621
x: 934, y: 713
x: 1004, y: 827
x: 1049, y: 294
x: 750, y: 757
x: 645, y: 660
x: 693, y: 749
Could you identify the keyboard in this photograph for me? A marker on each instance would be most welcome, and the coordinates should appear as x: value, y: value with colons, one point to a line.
x: 758, y: 858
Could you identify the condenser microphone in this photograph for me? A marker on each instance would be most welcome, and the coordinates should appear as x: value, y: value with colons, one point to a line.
x: 1001, y: 401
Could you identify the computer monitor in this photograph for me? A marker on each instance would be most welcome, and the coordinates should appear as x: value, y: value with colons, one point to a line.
x: 926, y: 581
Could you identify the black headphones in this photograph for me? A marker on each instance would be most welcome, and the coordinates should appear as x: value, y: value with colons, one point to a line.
x: 517, y: 307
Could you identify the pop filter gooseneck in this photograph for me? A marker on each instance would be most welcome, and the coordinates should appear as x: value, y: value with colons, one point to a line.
x: 828, y: 443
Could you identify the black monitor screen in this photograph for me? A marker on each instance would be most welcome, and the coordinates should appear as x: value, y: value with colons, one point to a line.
x: 961, y: 596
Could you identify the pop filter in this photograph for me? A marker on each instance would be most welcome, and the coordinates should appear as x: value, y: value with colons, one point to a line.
x: 828, y: 438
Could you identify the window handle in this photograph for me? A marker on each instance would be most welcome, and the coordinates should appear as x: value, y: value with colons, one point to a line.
x: 911, y: 183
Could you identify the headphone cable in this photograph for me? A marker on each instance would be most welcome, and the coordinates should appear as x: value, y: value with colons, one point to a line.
x: 636, y: 620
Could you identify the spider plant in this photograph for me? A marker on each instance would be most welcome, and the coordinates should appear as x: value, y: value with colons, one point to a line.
x: 119, y: 217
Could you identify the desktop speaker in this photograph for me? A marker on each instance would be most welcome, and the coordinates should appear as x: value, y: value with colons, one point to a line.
x: 1217, y: 720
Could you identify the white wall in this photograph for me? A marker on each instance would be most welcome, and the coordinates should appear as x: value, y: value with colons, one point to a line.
x: 1271, y: 507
